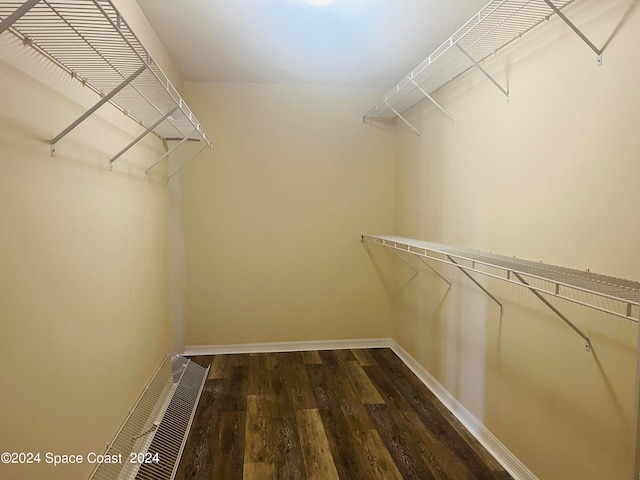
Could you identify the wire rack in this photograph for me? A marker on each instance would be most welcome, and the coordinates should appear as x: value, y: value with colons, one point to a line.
x: 499, y: 23
x: 91, y: 40
x: 608, y: 294
x: 151, y: 440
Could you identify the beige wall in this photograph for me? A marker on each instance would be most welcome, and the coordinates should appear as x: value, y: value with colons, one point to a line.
x: 272, y: 215
x: 84, y: 271
x: 553, y: 176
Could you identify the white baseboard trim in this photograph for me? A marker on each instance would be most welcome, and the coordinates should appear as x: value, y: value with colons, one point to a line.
x: 501, y: 453
x: 288, y: 346
x: 508, y: 460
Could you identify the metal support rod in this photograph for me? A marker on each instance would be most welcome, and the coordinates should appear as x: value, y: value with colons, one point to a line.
x: 11, y: 19
x: 491, y: 79
x: 104, y: 100
x: 477, y: 283
x: 432, y: 100
x: 587, y: 345
x: 405, y: 262
x: 169, y: 152
x: 403, y: 119
x: 188, y: 162
x: 576, y: 30
x: 149, y: 129
x: 434, y: 270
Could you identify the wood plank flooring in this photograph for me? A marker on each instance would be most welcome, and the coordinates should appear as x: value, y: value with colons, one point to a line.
x: 326, y: 415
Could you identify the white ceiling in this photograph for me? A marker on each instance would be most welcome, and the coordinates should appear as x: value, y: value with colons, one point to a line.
x: 349, y: 42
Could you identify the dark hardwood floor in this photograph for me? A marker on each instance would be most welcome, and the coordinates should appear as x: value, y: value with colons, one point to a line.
x: 338, y: 414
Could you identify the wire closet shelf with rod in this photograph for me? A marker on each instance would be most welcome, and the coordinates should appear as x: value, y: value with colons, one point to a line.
x: 496, y: 25
x: 614, y: 296
x: 92, y: 42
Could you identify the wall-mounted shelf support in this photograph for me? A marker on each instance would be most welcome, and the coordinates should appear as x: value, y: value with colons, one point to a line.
x: 403, y: 260
x: 169, y: 152
x: 484, y: 72
x: 141, y: 136
x: 102, y: 101
x: 404, y: 119
x: 587, y: 342
x: 11, y: 19
x: 435, y: 271
x: 577, y: 31
x: 432, y: 100
x: 186, y: 163
x: 477, y: 284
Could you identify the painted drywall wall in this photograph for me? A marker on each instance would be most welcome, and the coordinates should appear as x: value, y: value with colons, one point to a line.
x: 272, y: 215
x: 550, y: 176
x: 137, y: 20
x: 84, y: 269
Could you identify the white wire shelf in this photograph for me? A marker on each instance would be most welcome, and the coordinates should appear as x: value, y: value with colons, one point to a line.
x: 607, y: 294
x: 156, y: 429
x: 495, y: 26
x: 91, y: 40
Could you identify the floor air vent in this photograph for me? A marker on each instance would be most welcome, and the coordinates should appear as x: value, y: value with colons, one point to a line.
x: 149, y: 443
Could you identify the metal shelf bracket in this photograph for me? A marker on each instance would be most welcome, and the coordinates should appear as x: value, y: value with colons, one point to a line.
x: 171, y: 150
x: 587, y: 342
x: 484, y: 72
x: 102, y: 101
x: 148, y: 130
x: 187, y: 163
x: 477, y: 283
x: 577, y: 31
x: 434, y: 271
x: 11, y: 19
x: 403, y: 119
x: 422, y: 91
x: 403, y: 260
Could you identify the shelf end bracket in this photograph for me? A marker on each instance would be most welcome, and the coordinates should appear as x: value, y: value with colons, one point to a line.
x: 187, y: 163
x: 403, y: 119
x: 576, y: 30
x: 587, y: 342
x: 169, y: 152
